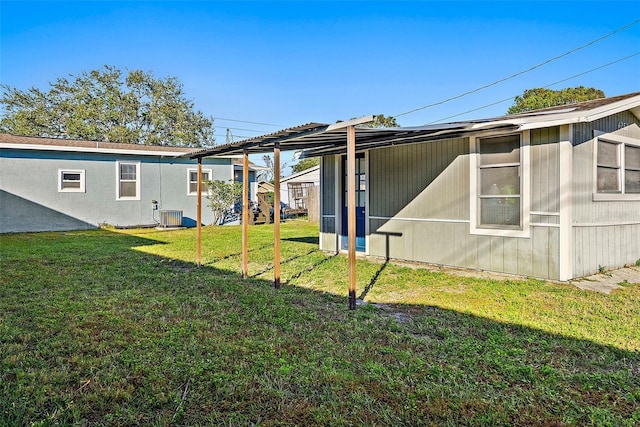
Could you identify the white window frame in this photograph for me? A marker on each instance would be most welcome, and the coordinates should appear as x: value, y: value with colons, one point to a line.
x: 621, y: 142
x: 137, y: 165
x: 189, y: 182
x: 525, y: 189
x: 62, y: 172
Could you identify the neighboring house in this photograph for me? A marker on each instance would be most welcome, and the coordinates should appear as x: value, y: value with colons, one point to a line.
x: 552, y: 193
x: 295, y: 188
x: 52, y: 184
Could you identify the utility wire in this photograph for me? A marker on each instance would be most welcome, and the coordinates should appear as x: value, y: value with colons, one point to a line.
x: 224, y: 135
x: 521, y: 72
x: 544, y: 87
x: 248, y: 130
x: 246, y: 121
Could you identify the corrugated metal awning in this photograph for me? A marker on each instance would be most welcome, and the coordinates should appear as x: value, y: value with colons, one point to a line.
x: 318, y: 139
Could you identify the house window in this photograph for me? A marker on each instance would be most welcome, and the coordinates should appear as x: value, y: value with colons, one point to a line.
x: 499, y: 182
x: 631, y: 169
x: 617, y: 168
x: 608, y: 167
x: 128, y: 180
x: 71, y: 181
x: 193, y: 181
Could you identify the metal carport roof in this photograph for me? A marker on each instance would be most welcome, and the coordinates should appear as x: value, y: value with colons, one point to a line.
x: 317, y: 139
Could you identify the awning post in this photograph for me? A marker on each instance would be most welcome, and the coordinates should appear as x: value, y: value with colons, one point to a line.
x: 245, y: 212
x: 276, y: 215
x: 351, y: 213
x: 199, y: 216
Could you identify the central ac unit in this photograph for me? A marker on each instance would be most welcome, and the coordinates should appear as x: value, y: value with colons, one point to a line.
x: 170, y: 218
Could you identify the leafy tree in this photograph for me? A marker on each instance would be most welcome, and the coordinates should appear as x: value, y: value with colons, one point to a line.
x: 222, y: 196
x: 534, y: 99
x: 382, y: 121
x: 305, y: 164
x: 105, y: 105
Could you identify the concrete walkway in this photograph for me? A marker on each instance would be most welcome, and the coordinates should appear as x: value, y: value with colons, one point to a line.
x: 607, y: 282
x: 601, y: 282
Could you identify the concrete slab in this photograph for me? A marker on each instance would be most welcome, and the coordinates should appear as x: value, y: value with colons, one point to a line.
x: 607, y: 282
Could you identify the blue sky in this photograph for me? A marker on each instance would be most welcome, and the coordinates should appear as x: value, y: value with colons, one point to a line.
x: 288, y: 63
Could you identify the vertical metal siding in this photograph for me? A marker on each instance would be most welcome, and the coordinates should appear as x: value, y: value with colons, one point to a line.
x: 545, y: 160
x: 605, y: 233
x: 328, y: 186
x: 328, y: 215
x: 420, y: 208
x: 402, y: 177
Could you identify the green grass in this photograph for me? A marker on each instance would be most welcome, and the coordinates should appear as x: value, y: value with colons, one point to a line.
x: 120, y: 328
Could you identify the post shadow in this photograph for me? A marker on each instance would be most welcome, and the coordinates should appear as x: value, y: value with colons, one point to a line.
x: 376, y: 276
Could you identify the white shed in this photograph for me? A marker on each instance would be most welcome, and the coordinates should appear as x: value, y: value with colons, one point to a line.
x: 294, y: 188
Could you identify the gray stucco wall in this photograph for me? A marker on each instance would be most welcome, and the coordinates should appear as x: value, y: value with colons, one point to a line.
x: 30, y: 199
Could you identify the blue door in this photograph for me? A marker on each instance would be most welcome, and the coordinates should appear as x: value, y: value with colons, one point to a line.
x: 361, y: 197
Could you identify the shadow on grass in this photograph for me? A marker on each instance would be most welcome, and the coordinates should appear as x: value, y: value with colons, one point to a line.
x: 236, y: 254
x: 93, y: 332
x: 373, y: 280
x: 284, y: 261
x: 312, y: 240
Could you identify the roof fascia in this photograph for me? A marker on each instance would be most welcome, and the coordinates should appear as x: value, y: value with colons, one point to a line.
x: 299, y: 174
x: 579, y: 116
x: 90, y: 150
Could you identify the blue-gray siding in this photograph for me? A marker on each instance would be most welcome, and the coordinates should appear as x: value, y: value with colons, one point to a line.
x: 31, y: 201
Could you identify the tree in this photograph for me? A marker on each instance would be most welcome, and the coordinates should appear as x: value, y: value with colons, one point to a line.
x: 305, y: 164
x: 269, y: 174
x: 222, y: 196
x: 382, y: 121
x: 534, y: 99
x: 104, y: 105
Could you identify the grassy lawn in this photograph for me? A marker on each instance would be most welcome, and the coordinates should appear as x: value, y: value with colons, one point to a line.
x: 113, y: 327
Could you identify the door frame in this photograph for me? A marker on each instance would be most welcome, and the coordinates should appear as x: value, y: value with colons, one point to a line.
x: 341, y: 202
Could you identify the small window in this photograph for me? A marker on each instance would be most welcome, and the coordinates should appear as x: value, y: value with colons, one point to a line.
x: 499, y: 182
x: 608, y: 167
x: 193, y: 181
x: 128, y: 180
x: 71, y: 181
x: 632, y: 169
x: 617, y: 167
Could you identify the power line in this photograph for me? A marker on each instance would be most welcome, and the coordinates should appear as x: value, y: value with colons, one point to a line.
x: 521, y: 72
x: 544, y: 87
x: 246, y: 121
x: 248, y: 130
x: 224, y: 135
